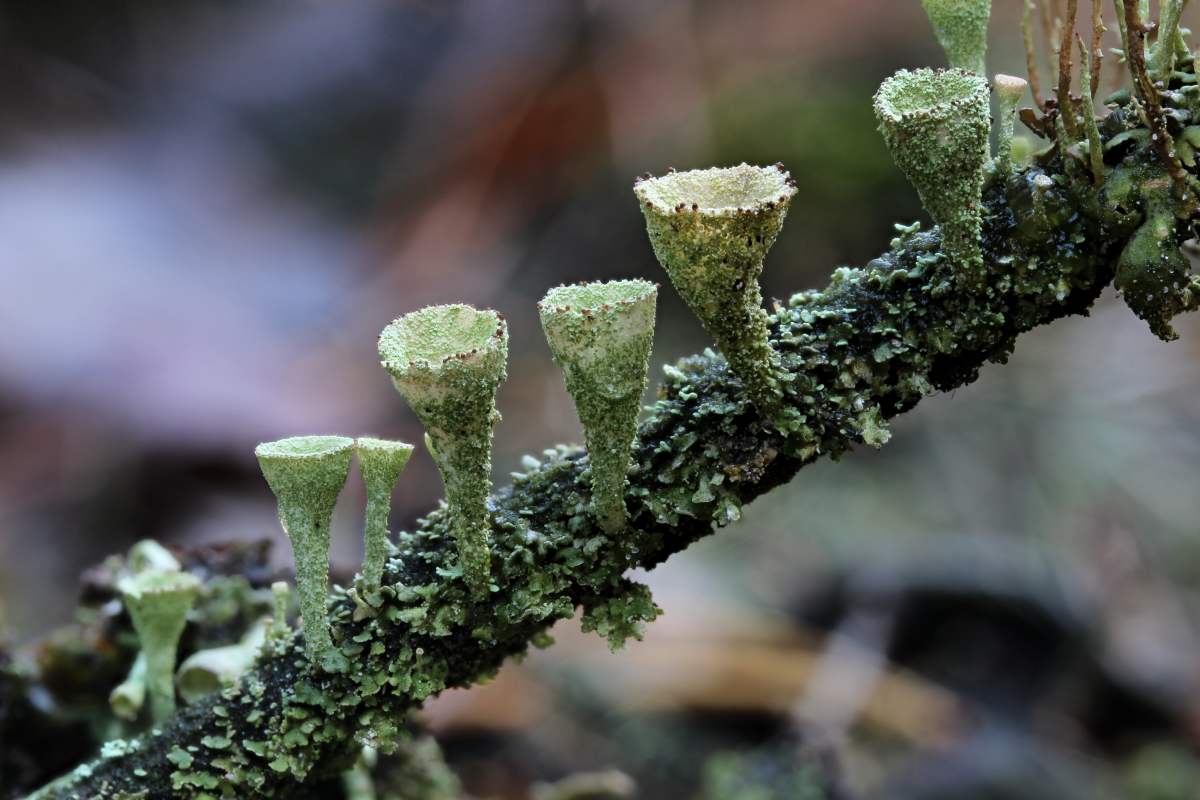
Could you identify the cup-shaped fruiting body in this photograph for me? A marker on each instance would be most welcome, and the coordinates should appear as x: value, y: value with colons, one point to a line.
x: 307, y: 473
x: 380, y: 461
x: 206, y: 671
x: 600, y: 335
x: 1009, y: 91
x: 158, y: 603
x: 710, y: 230
x: 447, y: 362
x: 935, y: 123
x: 961, y: 29
x: 127, y: 699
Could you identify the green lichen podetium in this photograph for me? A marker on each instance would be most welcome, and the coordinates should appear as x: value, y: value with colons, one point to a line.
x: 127, y: 699
x: 711, y: 229
x: 380, y: 462
x: 961, y: 29
x: 307, y: 474
x: 158, y: 603
x: 935, y: 123
x: 447, y: 362
x: 600, y: 334
x: 1009, y: 91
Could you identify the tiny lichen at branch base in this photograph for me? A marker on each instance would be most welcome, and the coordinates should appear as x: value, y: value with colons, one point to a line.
x: 600, y: 335
x: 307, y: 474
x: 447, y: 362
x: 711, y: 229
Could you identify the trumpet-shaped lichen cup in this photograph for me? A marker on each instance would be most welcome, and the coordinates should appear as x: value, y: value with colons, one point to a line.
x: 307, y: 474
x: 600, y: 334
x: 380, y: 462
x: 158, y: 603
x: 710, y: 230
x: 1009, y: 91
x: 935, y: 123
x: 447, y: 362
x: 961, y: 29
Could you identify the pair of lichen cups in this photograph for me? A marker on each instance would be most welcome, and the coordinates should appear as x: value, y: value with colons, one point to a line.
x: 600, y: 335
x: 711, y: 230
x: 936, y: 125
x: 447, y: 362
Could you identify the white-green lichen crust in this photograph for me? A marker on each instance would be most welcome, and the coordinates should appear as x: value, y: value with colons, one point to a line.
x: 601, y: 334
x: 935, y: 123
x: 307, y: 474
x: 961, y: 29
x: 447, y: 362
x: 710, y: 230
x: 158, y: 603
x: 380, y: 462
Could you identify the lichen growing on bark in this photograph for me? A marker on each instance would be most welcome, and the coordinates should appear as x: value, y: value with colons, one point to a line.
x: 447, y: 362
x: 307, y: 474
x: 601, y: 334
x: 380, y: 461
x: 711, y: 229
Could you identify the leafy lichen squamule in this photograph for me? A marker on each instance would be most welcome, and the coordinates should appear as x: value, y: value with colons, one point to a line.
x: 307, y: 474
x: 711, y: 229
x: 600, y: 335
x: 447, y: 362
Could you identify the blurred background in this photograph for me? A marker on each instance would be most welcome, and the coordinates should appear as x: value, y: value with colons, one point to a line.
x: 209, y: 209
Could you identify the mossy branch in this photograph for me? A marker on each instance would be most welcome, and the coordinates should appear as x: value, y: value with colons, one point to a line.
x: 866, y: 348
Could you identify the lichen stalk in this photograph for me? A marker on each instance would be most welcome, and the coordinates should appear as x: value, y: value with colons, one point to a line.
x: 307, y: 474
x: 935, y: 123
x: 711, y: 230
x: 380, y: 462
x: 1009, y: 90
x: 447, y: 362
x: 961, y: 28
x: 601, y: 334
x: 1095, y: 145
x: 158, y: 603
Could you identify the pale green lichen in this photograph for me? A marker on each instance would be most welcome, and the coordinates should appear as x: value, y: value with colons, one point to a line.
x: 158, y: 603
x: 380, y: 462
x: 1009, y: 91
x: 601, y: 334
x: 711, y: 229
x: 207, y: 671
x: 961, y: 29
x: 307, y: 474
x: 127, y: 699
x: 935, y: 123
x: 447, y: 362
x: 1170, y: 44
x: 280, y: 597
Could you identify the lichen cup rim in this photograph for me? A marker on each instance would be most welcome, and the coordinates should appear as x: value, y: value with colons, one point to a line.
x: 895, y: 101
x: 394, y: 346
x: 375, y: 444
x: 322, y: 446
x: 559, y: 300
x: 158, y: 582
x: 781, y: 190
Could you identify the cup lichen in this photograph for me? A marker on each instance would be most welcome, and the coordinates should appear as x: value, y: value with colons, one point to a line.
x: 711, y: 229
x: 1009, y: 91
x: 158, y: 602
x: 307, y: 474
x: 209, y: 670
x: 935, y: 123
x: 380, y: 463
x: 601, y: 334
x: 128, y: 697
x: 447, y: 362
x: 961, y: 29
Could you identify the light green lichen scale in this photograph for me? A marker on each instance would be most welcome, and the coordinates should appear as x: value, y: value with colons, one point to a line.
x: 961, y: 29
x: 158, y: 603
x: 447, y: 362
x: 601, y: 334
x: 1009, y: 91
x: 380, y: 462
x: 935, y: 123
x: 711, y: 229
x: 307, y: 474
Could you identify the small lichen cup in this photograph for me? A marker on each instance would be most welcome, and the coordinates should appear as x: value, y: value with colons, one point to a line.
x: 711, y: 229
x: 128, y: 697
x: 158, y: 603
x: 307, y: 474
x: 380, y: 463
x: 1009, y: 91
x: 207, y: 671
x: 447, y: 362
x: 935, y: 123
x: 601, y: 334
x: 961, y: 29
